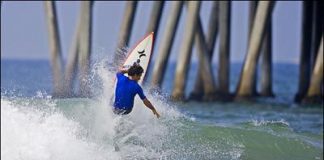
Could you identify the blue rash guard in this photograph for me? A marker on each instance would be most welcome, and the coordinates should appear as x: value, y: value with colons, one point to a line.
x: 125, y: 91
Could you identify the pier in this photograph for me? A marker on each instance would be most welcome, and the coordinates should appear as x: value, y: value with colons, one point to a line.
x: 210, y: 83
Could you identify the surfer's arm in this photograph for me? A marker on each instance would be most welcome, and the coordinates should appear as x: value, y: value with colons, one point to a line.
x: 149, y: 105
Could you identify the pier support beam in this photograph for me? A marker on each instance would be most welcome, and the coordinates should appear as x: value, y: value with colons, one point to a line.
x: 262, y: 17
x: 85, y: 48
x: 155, y: 17
x: 185, y: 51
x: 166, y: 44
x: 125, y: 31
x: 198, y: 91
x: 71, y: 66
x: 205, y: 67
x: 55, y: 48
x: 317, y: 29
x: 253, y: 7
x: 154, y: 27
x: 266, y: 65
x: 224, y: 47
x: 314, y: 94
x: 305, y: 61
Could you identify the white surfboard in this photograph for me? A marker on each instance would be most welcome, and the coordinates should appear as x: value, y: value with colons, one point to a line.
x: 141, y: 54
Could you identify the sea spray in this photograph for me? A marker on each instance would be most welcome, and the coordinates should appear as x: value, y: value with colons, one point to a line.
x: 135, y: 143
x: 31, y: 134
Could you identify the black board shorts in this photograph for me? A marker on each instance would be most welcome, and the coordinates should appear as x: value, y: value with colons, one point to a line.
x: 121, y: 111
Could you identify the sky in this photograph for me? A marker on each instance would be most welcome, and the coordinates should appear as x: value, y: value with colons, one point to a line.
x: 24, y: 30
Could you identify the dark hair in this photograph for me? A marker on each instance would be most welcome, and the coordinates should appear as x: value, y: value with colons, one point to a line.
x: 135, y: 70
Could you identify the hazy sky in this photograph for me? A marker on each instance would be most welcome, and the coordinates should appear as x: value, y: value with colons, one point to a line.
x: 24, y: 29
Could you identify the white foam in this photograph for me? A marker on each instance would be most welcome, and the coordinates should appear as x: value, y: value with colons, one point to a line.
x: 266, y: 122
x: 31, y: 134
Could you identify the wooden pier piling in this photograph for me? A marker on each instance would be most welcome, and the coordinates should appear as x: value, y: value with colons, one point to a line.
x: 85, y: 48
x: 205, y: 63
x: 55, y: 48
x: 154, y: 27
x: 305, y: 63
x: 252, y: 11
x: 224, y: 47
x: 155, y: 17
x: 317, y: 29
x: 245, y: 87
x: 266, y: 65
x: 198, y: 91
x: 125, y: 30
x: 71, y: 65
x: 166, y: 44
x: 185, y: 51
x: 314, y: 91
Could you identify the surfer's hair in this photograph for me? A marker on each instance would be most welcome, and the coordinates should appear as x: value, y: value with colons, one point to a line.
x: 135, y: 70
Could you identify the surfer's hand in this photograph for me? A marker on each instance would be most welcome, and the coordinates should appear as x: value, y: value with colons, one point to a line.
x: 149, y: 105
x: 156, y: 113
x: 124, y: 69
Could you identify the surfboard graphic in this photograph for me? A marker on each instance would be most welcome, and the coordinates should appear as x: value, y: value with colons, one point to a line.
x: 141, y: 54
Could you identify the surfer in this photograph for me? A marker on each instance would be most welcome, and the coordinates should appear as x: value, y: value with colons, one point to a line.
x: 127, y: 88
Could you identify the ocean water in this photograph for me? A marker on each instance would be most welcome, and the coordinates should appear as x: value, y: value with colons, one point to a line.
x: 35, y: 126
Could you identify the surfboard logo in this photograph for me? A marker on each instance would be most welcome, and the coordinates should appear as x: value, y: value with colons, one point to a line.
x: 141, y: 54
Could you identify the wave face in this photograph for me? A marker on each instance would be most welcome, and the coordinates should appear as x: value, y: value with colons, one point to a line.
x: 47, y: 129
